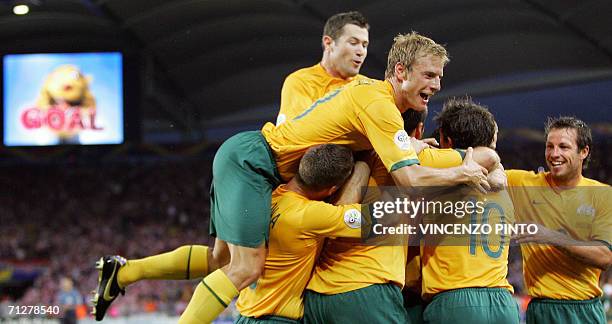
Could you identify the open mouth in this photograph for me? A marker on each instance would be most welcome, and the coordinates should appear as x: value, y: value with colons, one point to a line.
x: 424, y: 96
x: 556, y: 163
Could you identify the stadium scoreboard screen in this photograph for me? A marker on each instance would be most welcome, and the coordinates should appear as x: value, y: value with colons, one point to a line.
x: 63, y: 98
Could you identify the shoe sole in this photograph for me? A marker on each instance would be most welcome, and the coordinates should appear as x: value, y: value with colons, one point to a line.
x: 96, y: 297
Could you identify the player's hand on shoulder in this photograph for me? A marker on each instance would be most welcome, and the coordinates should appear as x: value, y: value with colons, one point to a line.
x: 431, y: 142
x: 474, y: 173
x: 418, y: 145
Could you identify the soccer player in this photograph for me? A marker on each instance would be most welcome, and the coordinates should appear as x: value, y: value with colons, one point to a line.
x: 413, y: 302
x: 565, y: 257
x: 298, y: 228
x: 464, y: 275
x: 345, y: 47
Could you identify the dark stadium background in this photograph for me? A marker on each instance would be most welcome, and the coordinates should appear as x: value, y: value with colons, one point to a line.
x: 197, y: 72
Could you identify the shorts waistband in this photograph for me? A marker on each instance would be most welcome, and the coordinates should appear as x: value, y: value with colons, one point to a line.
x: 472, y: 289
x: 566, y: 301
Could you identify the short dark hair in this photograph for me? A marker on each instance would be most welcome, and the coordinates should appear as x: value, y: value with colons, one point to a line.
x: 412, y: 118
x: 583, y: 132
x: 333, y: 25
x: 466, y: 123
x: 325, y: 166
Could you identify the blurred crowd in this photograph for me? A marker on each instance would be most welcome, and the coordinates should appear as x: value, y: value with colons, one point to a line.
x: 65, y: 216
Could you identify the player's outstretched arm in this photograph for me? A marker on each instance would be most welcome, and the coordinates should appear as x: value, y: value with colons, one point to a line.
x: 351, y: 192
x: 469, y: 172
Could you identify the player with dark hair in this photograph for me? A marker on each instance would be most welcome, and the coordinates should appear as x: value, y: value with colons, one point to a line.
x: 464, y: 276
x: 465, y: 123
x: 299, y: 225
x: 565, y: 257
x: 345, y: 47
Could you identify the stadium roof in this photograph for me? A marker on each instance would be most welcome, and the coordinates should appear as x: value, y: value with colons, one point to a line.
x: 225, y: 60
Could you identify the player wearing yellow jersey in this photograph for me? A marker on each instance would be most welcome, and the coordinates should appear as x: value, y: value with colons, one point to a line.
x: 464, y: 274
x: 298, y: 226
x: 345, y: 47
x: 565, y: 257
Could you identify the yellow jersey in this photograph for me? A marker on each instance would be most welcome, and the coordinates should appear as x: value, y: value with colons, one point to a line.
x: 361, y: 115
x: 470, y: 256
x: 344, y: 265
x: 298, y: 227
x: 302, y: 87
x: 582, y: 212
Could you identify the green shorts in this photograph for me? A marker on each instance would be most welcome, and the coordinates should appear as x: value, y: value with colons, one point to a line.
x: 244, y: 176
x: 265, y: 320
x: 474, y: 306
x: 381, y: 303
x: 565, y: 311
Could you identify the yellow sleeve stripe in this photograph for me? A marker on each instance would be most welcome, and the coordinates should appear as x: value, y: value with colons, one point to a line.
x: 404, y: 163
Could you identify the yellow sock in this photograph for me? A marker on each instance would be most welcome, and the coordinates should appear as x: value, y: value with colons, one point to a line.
x: 186, y: 262
x: 210, y: 298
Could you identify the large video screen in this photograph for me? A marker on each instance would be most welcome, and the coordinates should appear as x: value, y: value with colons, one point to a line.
x: 63, y: 98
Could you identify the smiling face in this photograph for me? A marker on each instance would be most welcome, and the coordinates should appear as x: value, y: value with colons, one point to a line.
x: 348, y: 52
x: 421, y: 81
x: 563, y: 158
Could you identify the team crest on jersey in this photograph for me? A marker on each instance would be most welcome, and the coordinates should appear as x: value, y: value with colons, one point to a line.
x: 402, y: 140
x: 352, y: 218
x: 586, y: 210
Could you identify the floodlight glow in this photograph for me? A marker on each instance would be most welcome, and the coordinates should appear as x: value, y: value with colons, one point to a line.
x: 21, y: 9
